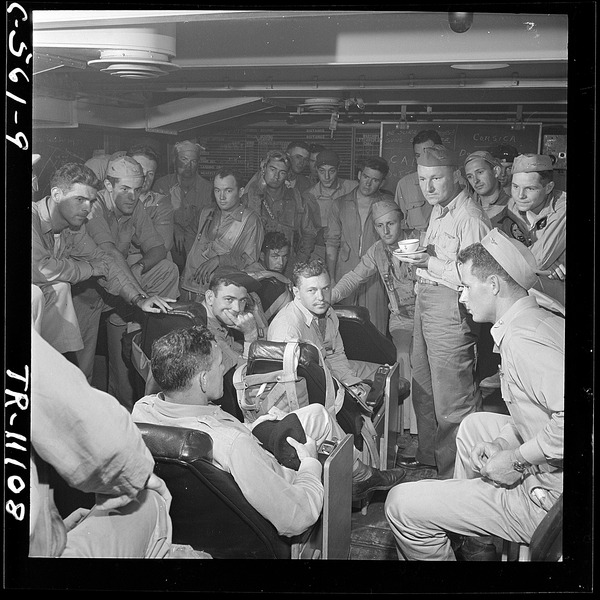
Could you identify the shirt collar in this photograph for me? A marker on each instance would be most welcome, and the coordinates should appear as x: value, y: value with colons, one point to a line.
x: 308, y: 316
x: 235, y: 214
x: 501, y: 326
x: 44, y: 213
x: 175, y: 410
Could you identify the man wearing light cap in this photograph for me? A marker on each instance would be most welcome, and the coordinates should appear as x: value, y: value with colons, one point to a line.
x: 538, y: 215
x: 482, y: 171
x: 396, y: 276
x: 320, y: 196
x: 509, y: 468
x: 409, y: 197
x: 117, y: 221
x: 189, y: 193
x: 444, y: 345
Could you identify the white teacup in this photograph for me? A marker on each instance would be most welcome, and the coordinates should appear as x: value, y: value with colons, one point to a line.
x: 408, y: 245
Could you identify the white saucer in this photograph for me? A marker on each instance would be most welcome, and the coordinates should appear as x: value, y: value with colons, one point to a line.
x: 417, y: 251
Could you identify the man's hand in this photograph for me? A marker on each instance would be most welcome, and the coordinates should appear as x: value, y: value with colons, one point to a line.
x: 155, y: 304
x: 244, y: 322
x: 205, y: 270
x: 158, y: 485
x: 178, y: 239
x: 99, y: 266
x: 499, y: 469
x: 307, y: 450
x: 420, y: 260
x: 481, y: 453
x: 558, y: 270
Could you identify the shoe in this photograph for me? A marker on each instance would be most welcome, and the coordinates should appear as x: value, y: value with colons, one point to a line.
x: 492, y: 382
x: 473, y: 549
x: 410, y: 462
x: 379, y: 480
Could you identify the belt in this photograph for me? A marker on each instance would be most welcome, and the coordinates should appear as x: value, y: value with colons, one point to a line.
x: 426, y: 281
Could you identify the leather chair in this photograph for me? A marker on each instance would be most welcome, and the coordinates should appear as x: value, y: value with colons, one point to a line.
x: 546, y: 541
x: 210, y: 513
x: 363, y: 341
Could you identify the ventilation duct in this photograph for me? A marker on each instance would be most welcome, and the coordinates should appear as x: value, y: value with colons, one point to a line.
x: 133, y: 64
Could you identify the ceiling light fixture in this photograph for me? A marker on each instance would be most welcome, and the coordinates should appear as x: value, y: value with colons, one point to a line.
x: 460, y: 22
x: 479, y: 66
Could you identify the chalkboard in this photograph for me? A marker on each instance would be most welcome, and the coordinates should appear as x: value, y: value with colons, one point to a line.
x: 464, y: 138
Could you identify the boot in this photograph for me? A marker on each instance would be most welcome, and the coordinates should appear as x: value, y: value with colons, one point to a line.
x: 367, y: 479
x: 475, y: 549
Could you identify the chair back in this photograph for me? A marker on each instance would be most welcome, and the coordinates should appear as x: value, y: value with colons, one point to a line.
x: 208, y: 511
x: 546, y: 541
x: 362, y: 340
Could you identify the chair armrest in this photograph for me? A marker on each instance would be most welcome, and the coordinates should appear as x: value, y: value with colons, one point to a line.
x: 177, y: 443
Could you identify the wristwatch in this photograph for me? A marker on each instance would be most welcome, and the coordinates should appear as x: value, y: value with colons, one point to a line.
x: 519, y: 466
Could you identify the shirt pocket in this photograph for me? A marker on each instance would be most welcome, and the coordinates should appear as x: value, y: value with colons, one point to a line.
x: 345, y: 250
x: 448, y: 243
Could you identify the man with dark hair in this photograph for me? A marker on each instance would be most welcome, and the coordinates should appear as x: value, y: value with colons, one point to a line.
x: 281, y: 208
x: 538, y: 213
x: 314, y: 150
x: 509, y: 468
x: 351, y: 233
x: 275, y: 252
x: 409, y: 197
x: 444, y: 341
x: 320, y: 196
x: 299, y: 153
x: 310, y: 318
x: 506, y: 155
x: 188, y: 193
x: 229, y: 234
x: 64, y: 255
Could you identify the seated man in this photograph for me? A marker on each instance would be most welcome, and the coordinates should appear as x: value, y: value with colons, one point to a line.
x: 95, y: 447
x: 310, y: 318
x: 275, y: 287
x: 509, y: 468
x: 117, y: 221
x: 229, y: 234
x: 398, y: 278
x: 188, y: 366
x: 64, y: 255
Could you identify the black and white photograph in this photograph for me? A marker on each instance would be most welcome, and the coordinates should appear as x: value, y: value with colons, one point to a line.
x: 299, y: 295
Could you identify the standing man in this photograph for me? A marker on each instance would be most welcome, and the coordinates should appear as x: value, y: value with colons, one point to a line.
x: 397, y: 277
x: 314, y: 150
x: 117, y: 221
x: 280, y: 207
x: 444, y: 387
x: 158, y: 206
x: 320, y: 196
x: 409, y: 197
x: 189, y: 193
x: 509, y: 468
x: 506, y: 155
x: 299, y: 154
x: 229, y: 234
x: 351, y: 233
x: 482, y: 171
x: 538, y: 212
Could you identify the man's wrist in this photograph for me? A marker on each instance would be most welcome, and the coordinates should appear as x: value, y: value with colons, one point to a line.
x: 519, y: 464
x: 137, y: 298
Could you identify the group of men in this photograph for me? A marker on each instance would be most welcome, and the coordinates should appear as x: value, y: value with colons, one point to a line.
x: 121, y: 243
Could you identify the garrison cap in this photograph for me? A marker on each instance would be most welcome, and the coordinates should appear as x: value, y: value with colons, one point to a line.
x: 530, y: 163
x: 513, y: 256
x: 238, y: 277
x: 124, y: 166
x: 438, y: 156
x: 327, y: 157
x: 383, y: 207
x: 483, y: 155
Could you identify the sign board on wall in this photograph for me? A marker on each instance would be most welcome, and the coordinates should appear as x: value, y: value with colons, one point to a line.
x: 464, y: 138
